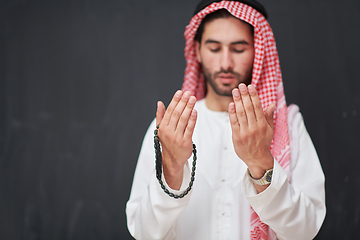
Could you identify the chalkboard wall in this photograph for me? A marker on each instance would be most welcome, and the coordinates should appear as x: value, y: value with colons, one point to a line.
x: 79, y: 81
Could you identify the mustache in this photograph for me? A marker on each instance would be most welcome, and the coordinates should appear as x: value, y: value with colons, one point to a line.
x: 226, y: 72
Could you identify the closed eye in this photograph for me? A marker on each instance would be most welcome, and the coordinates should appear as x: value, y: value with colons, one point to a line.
x: 214, y: 49
x: 238, y: 51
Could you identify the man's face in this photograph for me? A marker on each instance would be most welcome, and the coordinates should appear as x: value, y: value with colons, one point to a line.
x: 226, y: 54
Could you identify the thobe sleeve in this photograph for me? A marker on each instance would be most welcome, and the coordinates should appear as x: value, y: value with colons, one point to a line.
x: 294, y: 210
x: 151, y: 213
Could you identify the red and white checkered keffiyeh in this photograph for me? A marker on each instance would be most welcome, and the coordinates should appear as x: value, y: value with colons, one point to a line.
x: 266, y: 78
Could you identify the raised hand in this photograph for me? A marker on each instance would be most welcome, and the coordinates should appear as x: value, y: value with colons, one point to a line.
x: 252, y: 129
x: 177, y: 124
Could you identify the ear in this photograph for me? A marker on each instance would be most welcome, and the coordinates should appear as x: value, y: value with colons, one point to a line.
x: 197, y: 51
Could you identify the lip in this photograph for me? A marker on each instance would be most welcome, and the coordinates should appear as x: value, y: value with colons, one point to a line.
x: 226, y: 75
x: 226, y: 78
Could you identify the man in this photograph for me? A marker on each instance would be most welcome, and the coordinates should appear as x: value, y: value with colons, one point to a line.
x: 257, y: 173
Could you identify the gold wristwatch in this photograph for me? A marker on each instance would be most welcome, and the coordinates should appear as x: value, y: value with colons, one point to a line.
x: 266, y: 179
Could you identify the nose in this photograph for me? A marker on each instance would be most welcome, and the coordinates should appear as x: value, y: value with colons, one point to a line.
x: 226, y: 60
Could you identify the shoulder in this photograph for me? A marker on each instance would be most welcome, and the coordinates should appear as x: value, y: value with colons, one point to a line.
x: 299, y: 137
x: 295, y: 120
x: 293, y: 112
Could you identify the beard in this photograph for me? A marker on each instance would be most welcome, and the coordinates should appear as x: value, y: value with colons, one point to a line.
x: 226, y: 89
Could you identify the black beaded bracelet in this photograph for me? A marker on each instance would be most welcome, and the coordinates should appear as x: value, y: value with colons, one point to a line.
x: 158, y: 166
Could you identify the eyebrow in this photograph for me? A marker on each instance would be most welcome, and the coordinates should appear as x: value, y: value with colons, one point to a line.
x: 233, y: 43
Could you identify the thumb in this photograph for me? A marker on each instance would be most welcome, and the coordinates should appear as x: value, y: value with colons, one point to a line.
x: 269, y: 114
x: 160, y: 112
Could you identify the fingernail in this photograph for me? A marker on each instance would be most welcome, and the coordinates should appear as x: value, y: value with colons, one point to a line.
x: 178, y: 94
x: 251, y: 88
x: 236, y: 93
x: 232, y: 106
x: 242, y: 87
x: 192, y: 100
x: 187, y: 94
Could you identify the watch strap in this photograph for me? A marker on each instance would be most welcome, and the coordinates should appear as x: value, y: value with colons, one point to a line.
x: 264, y: 180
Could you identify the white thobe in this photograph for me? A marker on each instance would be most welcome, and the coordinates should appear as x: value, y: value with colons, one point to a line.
x: 218, y: 206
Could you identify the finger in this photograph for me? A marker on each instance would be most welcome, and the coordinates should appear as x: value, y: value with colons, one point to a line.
x: 239, y: 108
x: 191, y: 125
x: 248, y: 105
x: 178, y: 110
x: 258, y: 110
x: 233, y: 119
x: 184, y: 118
x: 160, y: 112
x: 269, y: 114
x: 175, y: 100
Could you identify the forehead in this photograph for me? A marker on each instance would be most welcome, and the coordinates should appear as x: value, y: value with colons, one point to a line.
x: 227, y: 29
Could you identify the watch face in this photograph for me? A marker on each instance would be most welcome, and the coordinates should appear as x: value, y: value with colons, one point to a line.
x: 268, y: 176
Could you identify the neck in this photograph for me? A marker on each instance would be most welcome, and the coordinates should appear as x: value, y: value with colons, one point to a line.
x: 216, y: 102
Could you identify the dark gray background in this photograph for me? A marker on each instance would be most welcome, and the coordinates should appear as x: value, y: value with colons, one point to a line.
x: 79, y: 81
